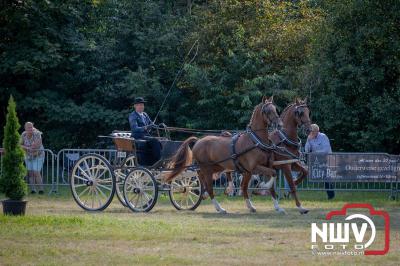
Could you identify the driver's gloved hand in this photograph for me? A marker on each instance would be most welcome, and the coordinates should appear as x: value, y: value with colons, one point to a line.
x: 150, y: 127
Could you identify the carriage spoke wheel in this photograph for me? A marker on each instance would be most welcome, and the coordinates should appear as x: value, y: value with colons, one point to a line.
x: 92, y: 182
x: 140, y: 190
x: 120, y: 175
x: 185, y: 191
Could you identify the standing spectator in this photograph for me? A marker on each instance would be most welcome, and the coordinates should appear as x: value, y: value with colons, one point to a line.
x: 31, y: 141
x: 319, y: 142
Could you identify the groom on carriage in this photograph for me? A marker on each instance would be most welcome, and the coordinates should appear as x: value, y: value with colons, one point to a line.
x: 141, y: 126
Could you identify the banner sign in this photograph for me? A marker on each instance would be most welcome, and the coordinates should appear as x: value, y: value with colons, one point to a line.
x: 358, y: 167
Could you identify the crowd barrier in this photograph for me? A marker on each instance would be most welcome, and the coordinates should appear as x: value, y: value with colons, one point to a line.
x: 337, y: 171
x: 47, y: 166
x: 66, y: 159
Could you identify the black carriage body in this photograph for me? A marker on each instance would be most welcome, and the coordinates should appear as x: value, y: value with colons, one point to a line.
x: 128, y: 146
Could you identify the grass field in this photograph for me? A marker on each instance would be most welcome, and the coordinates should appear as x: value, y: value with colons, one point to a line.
x: 56, y: 231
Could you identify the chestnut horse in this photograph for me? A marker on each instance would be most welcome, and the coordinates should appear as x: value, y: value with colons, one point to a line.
x: 293, y: 116
x: 248, y: 152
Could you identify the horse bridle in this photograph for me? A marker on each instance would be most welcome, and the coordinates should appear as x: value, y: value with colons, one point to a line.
x: 263, y: 110
x: 299, y: 111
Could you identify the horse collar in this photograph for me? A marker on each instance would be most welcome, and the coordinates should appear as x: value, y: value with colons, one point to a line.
x: 258, y: 142
x: 285, y: 139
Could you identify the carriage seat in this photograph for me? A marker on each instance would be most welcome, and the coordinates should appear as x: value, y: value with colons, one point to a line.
x: 125, y: 142
x: 126, y: 135
x: 139, y: 143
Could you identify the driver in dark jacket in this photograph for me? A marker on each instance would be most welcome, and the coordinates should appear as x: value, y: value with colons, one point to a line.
x: 141, y: 125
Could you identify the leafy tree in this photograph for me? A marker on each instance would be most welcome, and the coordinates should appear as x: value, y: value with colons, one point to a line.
x: 247, y: 49
x: 75, y: 66
x: 40, y: 61
x: 355, y: 75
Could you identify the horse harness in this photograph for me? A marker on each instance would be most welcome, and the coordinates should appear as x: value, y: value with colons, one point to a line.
x: 286, y: 140
x: 234, y: 156
x: 258, y: 143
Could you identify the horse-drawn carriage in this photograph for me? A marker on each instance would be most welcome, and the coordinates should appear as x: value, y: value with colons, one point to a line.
x: 94, y: 180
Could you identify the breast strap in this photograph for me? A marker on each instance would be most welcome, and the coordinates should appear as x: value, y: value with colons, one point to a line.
x: 259, y: 143
x: 287, y: 140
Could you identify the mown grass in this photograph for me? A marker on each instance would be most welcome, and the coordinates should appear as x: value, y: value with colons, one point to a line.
x: 56, y: 231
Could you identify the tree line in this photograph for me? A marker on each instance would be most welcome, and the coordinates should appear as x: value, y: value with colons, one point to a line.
x: 75, y: 66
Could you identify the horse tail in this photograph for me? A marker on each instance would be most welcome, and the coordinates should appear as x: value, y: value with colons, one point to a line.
x: 182, y: 158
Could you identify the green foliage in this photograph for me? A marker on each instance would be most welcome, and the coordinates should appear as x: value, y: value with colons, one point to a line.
x: 248, y: 49
x: 13, y: 171
x: 75, y: 66
x: 357, y: 69
x: 81, y: 64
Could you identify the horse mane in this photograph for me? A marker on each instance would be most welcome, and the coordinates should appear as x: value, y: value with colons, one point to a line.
x: 253, y: 114
x: 284, y: 112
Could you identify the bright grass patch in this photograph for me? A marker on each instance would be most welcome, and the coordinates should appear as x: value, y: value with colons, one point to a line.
x: 56, y: 231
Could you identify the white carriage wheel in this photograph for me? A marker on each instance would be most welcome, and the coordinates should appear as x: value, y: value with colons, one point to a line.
x: 186, y: 191
x: 92, y: 182
x: 120, y: 175
x: 140, y: 190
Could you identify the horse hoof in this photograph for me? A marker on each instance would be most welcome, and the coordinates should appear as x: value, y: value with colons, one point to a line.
x: 253, y: 210
x: 205, y: 196
x: 228, y: 192
x: 304, y: 211
x: 280, y: 210
x: 222, y: 211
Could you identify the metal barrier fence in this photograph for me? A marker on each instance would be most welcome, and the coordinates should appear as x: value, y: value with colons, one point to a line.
x: 44, y: 164
x: 57, y: 169
x: 350, y: 172
x: 66, y: 159
x: 380, y: 174
x: 392, y: 187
